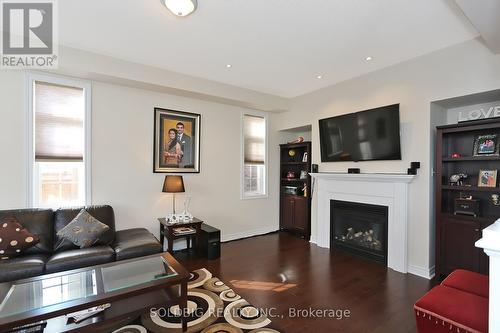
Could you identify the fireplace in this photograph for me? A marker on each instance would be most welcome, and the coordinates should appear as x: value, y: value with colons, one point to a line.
x: 360, y: 229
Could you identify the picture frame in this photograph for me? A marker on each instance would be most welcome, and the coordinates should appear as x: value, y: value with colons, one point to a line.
x: 304, y: 157
x: 487, y: 178
x: 177, y: 136
x: 303, y: 174
x: 486, y: 145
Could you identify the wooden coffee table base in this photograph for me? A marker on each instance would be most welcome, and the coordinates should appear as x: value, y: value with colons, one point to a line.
x: 127, y: 303
x: 120, y: 313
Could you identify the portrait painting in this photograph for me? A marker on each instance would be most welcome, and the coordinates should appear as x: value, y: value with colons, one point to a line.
x: 176, y: 141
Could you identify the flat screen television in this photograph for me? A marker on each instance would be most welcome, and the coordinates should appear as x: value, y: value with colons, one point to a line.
x: 362, y: 136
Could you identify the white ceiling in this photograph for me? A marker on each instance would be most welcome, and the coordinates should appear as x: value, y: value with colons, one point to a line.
x: 274, y: 46
x: 485, y: 16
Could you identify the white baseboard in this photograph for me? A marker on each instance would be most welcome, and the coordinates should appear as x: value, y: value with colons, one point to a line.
x: 247, y: 233
x: 426, y: 273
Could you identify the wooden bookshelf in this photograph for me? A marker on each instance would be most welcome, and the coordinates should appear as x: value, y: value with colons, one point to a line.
x: 295, y: 209
x: 456, y: 234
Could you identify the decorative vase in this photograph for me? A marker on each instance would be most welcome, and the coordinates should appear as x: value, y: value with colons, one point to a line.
x: 187, y: 201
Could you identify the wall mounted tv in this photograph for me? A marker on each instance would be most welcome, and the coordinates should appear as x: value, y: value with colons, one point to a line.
x: 362, y: 136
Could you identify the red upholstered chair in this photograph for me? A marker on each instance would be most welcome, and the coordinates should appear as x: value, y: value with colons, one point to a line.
x: 458, y: 305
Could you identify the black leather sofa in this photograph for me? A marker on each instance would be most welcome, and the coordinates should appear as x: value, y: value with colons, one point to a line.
x: 53, y: 254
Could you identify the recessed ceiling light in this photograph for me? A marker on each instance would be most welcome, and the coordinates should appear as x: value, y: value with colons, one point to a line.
x: 229, y: 66
x: 368, y: 58
x: 181, y: 7
x: 319, y: 77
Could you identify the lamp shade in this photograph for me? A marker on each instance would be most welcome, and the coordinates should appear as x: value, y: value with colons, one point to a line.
x: 173, y: 184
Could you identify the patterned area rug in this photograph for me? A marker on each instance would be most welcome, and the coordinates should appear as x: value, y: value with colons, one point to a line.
x: 213, y: 307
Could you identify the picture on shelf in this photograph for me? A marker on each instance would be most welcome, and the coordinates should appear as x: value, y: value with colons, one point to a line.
x: 487, y: 178
x: 304, y: 157
x: 495, y: 199
x: 303, y: 174
x: 486, y: 145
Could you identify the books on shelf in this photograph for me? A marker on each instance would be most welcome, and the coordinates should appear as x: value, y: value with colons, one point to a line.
x: 183, y: 231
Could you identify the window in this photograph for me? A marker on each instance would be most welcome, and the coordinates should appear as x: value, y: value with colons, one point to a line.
x: 254, y: 156
x: 59, y: 150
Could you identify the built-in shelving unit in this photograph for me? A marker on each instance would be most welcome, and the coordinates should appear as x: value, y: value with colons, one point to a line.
x: 469, y: 188
x: 295, y: 209
x: 456, y: 234
x: 471, y: 158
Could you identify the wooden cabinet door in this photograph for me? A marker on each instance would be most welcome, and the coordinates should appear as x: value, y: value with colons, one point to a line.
x: 301, y: 220
x: 457, y: 245
x: 287, y: 212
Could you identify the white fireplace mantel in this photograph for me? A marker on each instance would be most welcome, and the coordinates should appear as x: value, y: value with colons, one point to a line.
x: 390, y: 190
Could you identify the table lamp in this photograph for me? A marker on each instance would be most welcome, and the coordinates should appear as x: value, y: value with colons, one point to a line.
x: 173, y: 184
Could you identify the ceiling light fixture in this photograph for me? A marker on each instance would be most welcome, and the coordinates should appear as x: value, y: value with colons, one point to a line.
x: 319, y: 77
x: 368, y: 58
x: 229, y: 66
x: 181, y: 7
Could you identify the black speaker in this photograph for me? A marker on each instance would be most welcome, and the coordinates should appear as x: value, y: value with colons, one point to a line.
x: 353, y: 170
x: 210, y: 241
x: 414, y: 166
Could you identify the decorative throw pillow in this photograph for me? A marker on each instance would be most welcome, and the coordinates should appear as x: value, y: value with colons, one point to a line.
x: 84, y: 230
x: 14, y: 239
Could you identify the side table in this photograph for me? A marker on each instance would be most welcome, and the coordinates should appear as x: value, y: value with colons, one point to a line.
x: 167, y: 231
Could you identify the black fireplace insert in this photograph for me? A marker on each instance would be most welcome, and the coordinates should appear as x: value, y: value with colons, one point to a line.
x: 360, y: 229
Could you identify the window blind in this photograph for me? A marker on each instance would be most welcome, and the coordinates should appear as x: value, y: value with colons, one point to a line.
x: 254, y: 131
x: 59, y: 122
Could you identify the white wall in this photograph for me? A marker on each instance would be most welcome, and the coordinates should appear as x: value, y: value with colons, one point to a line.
x: 122, y: 159
x: 122, y: 163
x: 12, y: 140
x: 459, y: 70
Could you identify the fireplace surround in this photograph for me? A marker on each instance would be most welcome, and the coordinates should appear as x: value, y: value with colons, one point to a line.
x: 360, y: 229
x: 390, y: 190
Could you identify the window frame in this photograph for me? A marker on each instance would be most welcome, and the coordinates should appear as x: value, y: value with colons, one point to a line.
x: 243, y: 195
x: 31, y: 77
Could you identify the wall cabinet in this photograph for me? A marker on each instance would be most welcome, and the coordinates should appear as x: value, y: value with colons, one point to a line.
x: 457, y: 233
x: 457, y: 245
x: 294, y: 213
x: 295, y: 202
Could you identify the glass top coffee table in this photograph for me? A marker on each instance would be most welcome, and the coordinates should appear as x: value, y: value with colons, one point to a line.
x: 50, y: 296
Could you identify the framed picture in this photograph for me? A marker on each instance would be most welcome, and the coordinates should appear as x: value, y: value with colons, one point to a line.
x: 303, y: 174
x: 486, y: 145
x: 487, y: 178
x: 176, y: 141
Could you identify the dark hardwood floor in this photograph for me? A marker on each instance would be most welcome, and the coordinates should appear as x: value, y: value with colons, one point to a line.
x: 282, y: 271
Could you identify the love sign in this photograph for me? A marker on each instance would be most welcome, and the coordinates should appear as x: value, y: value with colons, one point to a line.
x: 492, y: 112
